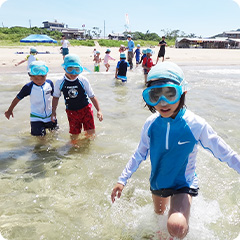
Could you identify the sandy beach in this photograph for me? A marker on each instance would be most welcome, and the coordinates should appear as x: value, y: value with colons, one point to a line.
x: 8, y: 57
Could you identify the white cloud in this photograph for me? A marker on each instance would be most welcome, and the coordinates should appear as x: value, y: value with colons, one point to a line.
x: 2, y: 1
x: 237, y: 2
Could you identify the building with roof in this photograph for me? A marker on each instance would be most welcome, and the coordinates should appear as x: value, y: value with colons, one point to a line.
x: 116, y: 36
x: 201, y: 43
x: 229, y: 39
x: 70, y: 33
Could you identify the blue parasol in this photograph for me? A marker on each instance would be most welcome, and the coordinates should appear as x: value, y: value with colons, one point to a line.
x: 38, y: 38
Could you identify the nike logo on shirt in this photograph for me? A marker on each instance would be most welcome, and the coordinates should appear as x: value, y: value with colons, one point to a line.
x: 181, y: 143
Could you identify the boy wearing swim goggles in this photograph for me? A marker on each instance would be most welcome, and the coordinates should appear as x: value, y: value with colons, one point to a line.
x: 40, y: 91
x: 171, y: 136
x: 76, y: 90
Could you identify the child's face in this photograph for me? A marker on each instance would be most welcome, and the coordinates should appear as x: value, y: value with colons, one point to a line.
x: 149, y: 54
x: 71, y: 76
x: 38, y: 79
x: 167, y: 110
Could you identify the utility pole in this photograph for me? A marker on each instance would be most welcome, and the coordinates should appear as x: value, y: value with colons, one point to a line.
x: 104, y: 30
x: 30, y: 23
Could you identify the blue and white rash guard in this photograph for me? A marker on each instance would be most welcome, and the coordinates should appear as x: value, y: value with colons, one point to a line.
x: 172, y: 145
x: 40, y: 99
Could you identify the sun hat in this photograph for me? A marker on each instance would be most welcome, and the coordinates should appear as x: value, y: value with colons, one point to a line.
x: 123, y: 55
x: 33, y: 50
x: 167, y: 71
x: 138, y: 45
x: 144, y: 51
x: 97, y: 52
x: 129, y: 36
x: 108, y: 50
x: 38, y: 68
x: 71, y: 60
x: 149, y: 50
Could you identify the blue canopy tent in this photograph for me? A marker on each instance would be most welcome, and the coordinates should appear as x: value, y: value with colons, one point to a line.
x: 38, y: 38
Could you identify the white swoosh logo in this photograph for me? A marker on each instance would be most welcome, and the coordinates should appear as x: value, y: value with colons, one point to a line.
x: 181, y: 143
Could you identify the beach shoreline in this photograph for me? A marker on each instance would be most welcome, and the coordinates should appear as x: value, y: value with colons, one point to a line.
x: 181, y: 56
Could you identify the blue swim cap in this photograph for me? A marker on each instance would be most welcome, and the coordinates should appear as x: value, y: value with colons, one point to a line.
x: 166, y: 71
x: 149, y: 50
x: 72, y: 60
x: 38, y: 68
x: 33, y: 50
x: 123, y: 55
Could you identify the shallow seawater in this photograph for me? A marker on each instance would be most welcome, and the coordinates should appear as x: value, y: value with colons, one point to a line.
x: 53, y: 190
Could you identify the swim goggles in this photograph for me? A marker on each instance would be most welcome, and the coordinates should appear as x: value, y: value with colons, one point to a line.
x: 74, y: 70
x: 38, y: 70
x: 166, y: 94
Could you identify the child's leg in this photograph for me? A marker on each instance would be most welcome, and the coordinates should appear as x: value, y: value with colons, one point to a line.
x: 160, y: 204
x: 145, y: 78
x: 178, y: 216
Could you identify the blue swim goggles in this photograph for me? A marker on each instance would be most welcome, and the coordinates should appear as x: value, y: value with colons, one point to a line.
x: 74, y: 70
x: 166, y: 93
x: 38, y: 70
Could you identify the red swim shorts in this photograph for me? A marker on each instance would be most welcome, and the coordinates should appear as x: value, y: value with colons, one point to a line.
x: 78, y: 118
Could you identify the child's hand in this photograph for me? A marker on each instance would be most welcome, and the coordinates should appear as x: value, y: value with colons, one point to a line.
x: 8, y: 114
x: 100, y: 116
x: 117, y: 191
x: 53, y: 117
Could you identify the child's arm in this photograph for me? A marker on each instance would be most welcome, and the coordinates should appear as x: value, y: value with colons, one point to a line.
x: 110, y: 58
x: 9, y: 112
x: 54, y: 108
x: 211, y: 141
x: 96, y: 105
x: 21, y: 62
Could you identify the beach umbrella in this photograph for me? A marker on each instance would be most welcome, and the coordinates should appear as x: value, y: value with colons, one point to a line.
x: 38, y: 38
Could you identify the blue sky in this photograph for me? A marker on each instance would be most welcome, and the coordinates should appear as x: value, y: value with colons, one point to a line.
x: 204, y: 17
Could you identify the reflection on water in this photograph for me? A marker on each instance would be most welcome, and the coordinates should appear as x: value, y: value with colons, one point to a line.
x: 53, y: 190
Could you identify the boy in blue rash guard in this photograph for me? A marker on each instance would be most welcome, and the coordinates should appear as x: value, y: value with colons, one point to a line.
x: 170, y: 136
x: 121, y: 69
x: 40, y: 91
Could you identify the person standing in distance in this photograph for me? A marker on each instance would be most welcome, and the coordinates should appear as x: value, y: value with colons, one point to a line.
x: 161, y: 52
x: 130, y: 48
x: 65, y: 44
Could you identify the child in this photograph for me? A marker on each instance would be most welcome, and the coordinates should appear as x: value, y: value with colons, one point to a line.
x: 121, y: 69
x: 76, y: 89
x: 65, y: 45
x: 107, y: 58
x: 147, y: 63
x: 171, y: 136
x: 30, y: 58
x: 143, y: 55
x: 97, y: 61
x: 137, y: 54
x: 94, y: 52
x: 40, y: 91
x: 122, y: 49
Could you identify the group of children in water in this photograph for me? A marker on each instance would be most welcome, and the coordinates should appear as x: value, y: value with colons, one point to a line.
x: 170, y: 136
x: 143, y: 58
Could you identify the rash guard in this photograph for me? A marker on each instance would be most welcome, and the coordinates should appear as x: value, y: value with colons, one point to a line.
x: 173, y: 145
x: 40, y: 99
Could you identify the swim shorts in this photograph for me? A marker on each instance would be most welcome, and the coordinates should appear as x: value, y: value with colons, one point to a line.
x: 39, y: 128
x: 96, y: 68
x: 65, y: 51
x: 167, y: 192
x: 161, y: 53
x: 78, y: 118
